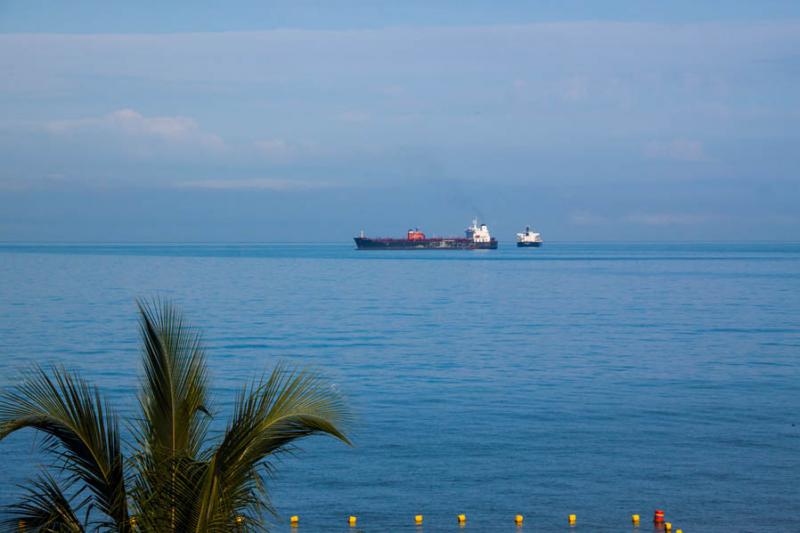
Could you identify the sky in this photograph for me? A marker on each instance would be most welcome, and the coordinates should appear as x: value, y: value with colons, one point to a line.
x: 304, y: 121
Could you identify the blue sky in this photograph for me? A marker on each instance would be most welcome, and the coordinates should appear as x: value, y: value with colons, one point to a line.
x: 298, y: 121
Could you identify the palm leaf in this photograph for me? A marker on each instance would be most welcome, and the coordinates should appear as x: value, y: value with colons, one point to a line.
x: 177, y: 482
x: 174, y: 393
x: 270, y: 416
x: 80, y: 431
x: 174, y: 416
x: 44, y: 508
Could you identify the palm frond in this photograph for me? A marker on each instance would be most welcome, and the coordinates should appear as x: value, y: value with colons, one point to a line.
x: 177, y: 482
x: 80, y: 431
x: 164, y: 498
x: 44, y: 508
x: 269, y: 417
x: 174, y: 419
x: 174, y: 393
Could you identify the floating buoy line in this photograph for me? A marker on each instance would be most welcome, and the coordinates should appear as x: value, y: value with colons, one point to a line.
x: 519, y: 520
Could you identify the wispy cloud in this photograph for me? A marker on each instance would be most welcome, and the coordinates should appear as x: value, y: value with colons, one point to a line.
x: 643, y: 218
x: 281, y: 150
x: 670, y: 219
x: 142, y: 134
x: 270, y: 184
x: 556, y: 105
x: 353, y: 116
x: 677, y: 149
x: 575, y: 90
x: 274, y: 148
x: 585, y: 218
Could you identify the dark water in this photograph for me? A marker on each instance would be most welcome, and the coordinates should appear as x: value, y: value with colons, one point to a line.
x: 600, y: 380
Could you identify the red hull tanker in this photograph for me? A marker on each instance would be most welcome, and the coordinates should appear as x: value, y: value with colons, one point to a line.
x: 476, y: 237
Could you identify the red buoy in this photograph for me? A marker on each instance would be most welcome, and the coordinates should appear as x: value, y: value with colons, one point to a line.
x: 658, y: 518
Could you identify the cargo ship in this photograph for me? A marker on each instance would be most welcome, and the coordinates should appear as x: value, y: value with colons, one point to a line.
x: 529, y: 239
x: 477, y: 237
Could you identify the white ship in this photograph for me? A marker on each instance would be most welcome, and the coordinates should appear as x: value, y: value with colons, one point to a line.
x: 529, y: 238
x: 478, y: 233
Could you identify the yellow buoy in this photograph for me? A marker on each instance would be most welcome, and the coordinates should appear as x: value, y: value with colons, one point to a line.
x: 418, y: 519
x: 352, y: 521
x: 572, y: 519
x: 519, y: 519
x: 462, y: 518
x: 635, y: 519
x: 294, y: 520
x: 667, y: 526
x: 678, y: 531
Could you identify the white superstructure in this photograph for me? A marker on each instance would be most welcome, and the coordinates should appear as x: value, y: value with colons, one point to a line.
x: 529, y: 237
x: 478, y: 233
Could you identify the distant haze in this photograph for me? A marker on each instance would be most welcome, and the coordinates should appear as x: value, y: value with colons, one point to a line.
x: 277, y: 123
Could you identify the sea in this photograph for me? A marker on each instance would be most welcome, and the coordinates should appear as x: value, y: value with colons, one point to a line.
x: 596, y: 379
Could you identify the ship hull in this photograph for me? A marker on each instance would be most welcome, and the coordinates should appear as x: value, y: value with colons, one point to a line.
x: 364, y: 243
x: 528, y: 244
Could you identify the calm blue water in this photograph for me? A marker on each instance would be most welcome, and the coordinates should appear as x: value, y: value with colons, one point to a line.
x: 600, y: 380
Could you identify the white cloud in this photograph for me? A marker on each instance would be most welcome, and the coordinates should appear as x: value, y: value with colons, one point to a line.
x: 533, y: 88
x: 143, y: 135
x: 677, y: 149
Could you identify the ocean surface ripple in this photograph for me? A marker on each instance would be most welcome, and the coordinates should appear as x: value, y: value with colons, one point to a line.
x: 595, y: 379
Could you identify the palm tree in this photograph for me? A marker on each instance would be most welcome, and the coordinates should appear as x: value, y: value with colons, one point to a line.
x: 175, y: 477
